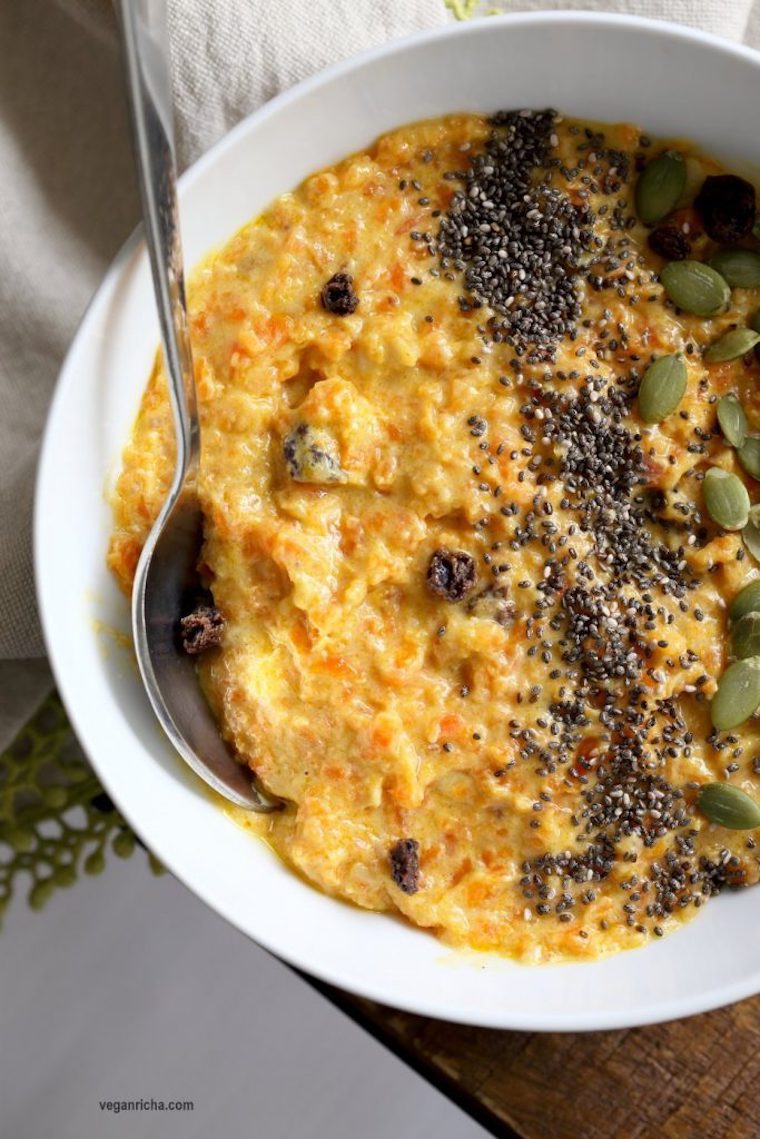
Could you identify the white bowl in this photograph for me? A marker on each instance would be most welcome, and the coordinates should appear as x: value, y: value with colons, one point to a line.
x: 669, y: 80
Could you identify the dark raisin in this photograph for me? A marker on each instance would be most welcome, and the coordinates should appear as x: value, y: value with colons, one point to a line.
x: 202, y: 629
x: 451, y: 574
x: 670, y: 242
x: 726, y: 205
x: 338, y: 295
x: 404, y: 858
x: 311, y: 455
x: 656, y: 499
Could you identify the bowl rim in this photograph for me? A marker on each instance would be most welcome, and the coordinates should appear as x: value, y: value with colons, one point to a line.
x: 554, y: 1020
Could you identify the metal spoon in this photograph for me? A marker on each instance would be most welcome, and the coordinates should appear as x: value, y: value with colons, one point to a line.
x: 168, y: 565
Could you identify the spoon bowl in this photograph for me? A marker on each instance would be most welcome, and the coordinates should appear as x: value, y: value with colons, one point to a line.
x: 166, y: 574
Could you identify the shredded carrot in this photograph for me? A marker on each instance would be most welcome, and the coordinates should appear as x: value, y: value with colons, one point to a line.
x: 381, y: 737
x: 462, y: 870
x: 476, y: 894
x: 450, y: 724
x: 411, y: 223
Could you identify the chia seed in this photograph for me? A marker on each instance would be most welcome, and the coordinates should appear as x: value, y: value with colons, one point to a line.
x: 520, y: 243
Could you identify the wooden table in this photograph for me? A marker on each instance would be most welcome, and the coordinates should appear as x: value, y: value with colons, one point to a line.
x: 689, y: 1079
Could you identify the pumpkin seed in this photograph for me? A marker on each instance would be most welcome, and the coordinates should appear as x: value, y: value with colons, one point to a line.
x: 751, y: 533
x: 740, y: 267
x: 745, y: 636
x: 695, y: 287
x: 726, y: 499
x: 737, y: 696
x: 662, y: 388
x: 660, y: 186
x: 732, y: 420
x: 749, y: 455
x: 729, y: 806
x: 746, y: 601
x: 731, y: 345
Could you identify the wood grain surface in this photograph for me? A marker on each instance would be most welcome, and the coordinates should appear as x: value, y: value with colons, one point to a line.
x: 689, y: 1079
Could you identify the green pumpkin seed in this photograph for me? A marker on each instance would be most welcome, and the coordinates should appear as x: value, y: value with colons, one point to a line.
x: 738, y: 694
x: 726, y: 499
x: 749, y: 455
x: 746, y: 601
x: 732, y: 420
x: 660, y: 186
x: 729, y: 806
x: 731, y: 345
x: 751, y: 533
x: 695, y: 287
x: 19, y: 839
x: 662, y: 388
x: 740, y: 267
x: 745, y: 636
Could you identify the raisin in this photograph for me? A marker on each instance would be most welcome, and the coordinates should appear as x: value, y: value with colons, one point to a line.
x: 670, y: 242
x: 338, y: 295
x: 655, y: 500
x: 451, y: 574
x: 311, y: 455
x: 404, y: 858
x: 726, y: 205
x: 201, y: 629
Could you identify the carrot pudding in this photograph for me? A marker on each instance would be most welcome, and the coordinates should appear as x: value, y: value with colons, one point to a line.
x: 480, y: 591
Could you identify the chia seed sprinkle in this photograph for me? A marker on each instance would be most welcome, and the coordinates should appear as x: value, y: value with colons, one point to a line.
x: 608, y: 586
x: 520, y: 243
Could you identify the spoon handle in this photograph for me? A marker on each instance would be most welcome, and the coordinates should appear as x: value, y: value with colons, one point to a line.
x: 168, y: 564
x: 146, y: 53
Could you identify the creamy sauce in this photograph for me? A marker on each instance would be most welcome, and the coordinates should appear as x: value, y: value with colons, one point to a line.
x: 380, y: 709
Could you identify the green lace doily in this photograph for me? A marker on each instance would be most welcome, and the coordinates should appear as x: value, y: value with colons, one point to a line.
x: 56, y: 821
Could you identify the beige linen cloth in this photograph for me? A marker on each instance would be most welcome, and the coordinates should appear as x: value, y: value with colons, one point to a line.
x: 67, y: 197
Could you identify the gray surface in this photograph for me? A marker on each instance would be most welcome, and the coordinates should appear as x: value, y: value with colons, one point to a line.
x: 128, y: 987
